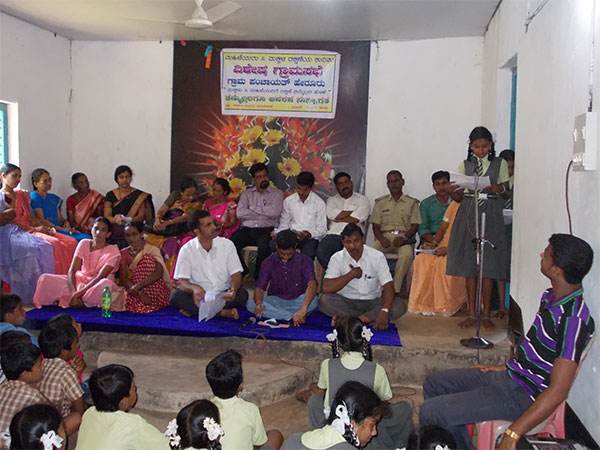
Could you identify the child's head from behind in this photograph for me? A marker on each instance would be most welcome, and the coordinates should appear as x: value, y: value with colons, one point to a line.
x: 364, y: 409
x: 21, y: 362
x: 65, y: 320
x: 191, y: 426
x: 14, y: 337
x: 224, y: 374
x: 112, y: 388
x: 31, y: 423
x: 59, y: 341
x: 429, y: 437
x: 11, y: 309
x: 350, y: 338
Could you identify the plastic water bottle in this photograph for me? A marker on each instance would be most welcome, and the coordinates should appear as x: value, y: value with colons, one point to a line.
x: 106, y: 302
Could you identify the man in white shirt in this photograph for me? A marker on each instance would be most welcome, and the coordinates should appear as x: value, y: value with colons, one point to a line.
x: 344, y: 208
x: 358, y: 283
x: 304, y: 214
x: 208, y: 263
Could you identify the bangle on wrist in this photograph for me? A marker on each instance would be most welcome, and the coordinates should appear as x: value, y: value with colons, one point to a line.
x: 511, y: 434
x: 385, y: 310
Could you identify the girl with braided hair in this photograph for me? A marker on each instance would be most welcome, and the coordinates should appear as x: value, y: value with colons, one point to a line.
x: 197, y: 427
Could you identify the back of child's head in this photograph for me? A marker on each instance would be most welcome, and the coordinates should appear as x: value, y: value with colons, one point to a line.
x: 14, y: 337
x: 62, y: 319
x: 18, y: 358
x: 352, y: 336
x: 56, y: 337
x: 193, y: 427
x: 31, y: 423
x: 224, y: 374
x: 360, y: 402
x: 109, y: 385
x: 429, y: 437
x: 8, y: 303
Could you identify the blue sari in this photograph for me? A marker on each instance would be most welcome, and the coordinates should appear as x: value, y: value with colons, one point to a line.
x: 50, y: 207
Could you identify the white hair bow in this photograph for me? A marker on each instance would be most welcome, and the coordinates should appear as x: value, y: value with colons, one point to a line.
x: 332, y: 336
x: 213, y: 429
x: 342, y: 419
x: 439, y: 447
x: 50, y: 440
x: 171, y: 433
x: 366, y: 334
x: 6, y: 438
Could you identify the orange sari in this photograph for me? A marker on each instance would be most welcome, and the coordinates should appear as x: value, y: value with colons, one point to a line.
x: 87, y: 209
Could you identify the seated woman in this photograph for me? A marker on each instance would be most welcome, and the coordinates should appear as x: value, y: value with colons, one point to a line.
x: 432, y: 291
x: 126, y: 204
x: 46, y: 206
x: 222, y: 208
x: 24, y: 257
x: 85, y: 205
x: 93, y: 267
x: 170, y: 225
x: 19, y: 201
x: 143, y: 274
x: 352, y: 422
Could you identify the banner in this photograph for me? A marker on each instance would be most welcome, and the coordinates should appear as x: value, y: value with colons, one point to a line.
x: 283, y: 83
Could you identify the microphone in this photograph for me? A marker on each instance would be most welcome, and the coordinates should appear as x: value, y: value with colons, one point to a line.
x: 250, y: 321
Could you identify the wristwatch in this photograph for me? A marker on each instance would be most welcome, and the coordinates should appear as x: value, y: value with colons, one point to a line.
x: 385, y: 310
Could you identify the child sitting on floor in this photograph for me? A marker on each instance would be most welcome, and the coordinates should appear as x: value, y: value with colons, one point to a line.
x: 37, y: 427
x: 12, y: 315
x: 196, y: 427
x: 22, y: 365
x: 356, y: 365
x: 240, y: 419
x: 352, y: 422
x: 431, y: 437
x: 59, y: 344
x: 12, y: 337
x: 108, y: 424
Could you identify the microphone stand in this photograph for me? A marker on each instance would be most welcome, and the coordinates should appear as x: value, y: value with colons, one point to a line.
x: 477, y: 341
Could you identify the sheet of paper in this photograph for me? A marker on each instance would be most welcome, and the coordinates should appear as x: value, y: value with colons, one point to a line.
x: 212, y: 304
x: 508, y: 216
x: 426, y: 250
x: 468, y: 182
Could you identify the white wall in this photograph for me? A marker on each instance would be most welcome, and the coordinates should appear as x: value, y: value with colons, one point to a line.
x: 425, y: 97
x: 35, y: 72
x: 121, y: 110
x: 552, y: 88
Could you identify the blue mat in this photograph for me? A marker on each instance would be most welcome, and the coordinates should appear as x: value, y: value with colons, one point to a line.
x: 169, y: 321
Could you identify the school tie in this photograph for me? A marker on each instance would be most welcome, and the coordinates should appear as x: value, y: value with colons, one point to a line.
x: 508, y: 203
x: 479, y: 172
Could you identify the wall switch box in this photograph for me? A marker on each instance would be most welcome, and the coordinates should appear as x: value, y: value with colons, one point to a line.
x: 585, y: 141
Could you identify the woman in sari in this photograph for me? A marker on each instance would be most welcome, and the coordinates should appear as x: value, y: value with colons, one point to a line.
x: 126, y: 204
x: 93, y: 267
x: 85, y: 205
x: 23, y: 257
x: 432, y: 292
x: 18, y: 200
x: 170, y: 226
x: 222, y: 209
x: 143, y: 274
x: 47, y: 206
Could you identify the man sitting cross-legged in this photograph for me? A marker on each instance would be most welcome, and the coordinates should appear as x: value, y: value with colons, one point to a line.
x: 207, y: 263
x: 358, y: 283
x: 290, y: 277
x: 529, y: 387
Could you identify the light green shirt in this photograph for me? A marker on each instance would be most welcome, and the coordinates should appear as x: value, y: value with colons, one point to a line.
x: 352, y: 361
x: 118, y: 431
x: 322, y: 438
x: 241, y: 423
x: 485, y: 164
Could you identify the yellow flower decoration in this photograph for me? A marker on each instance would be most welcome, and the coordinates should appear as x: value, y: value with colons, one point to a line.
x: 232, y: 161
x: 237, y: 185
x: 290, y: 167
x: 272, y: 137
x: 253, y: 156
x: 251, y: 135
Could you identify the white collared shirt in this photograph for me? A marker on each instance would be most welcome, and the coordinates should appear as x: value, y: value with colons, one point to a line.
x: 357, y: 203
x: 304, y: 216
x: 376, y: 273
x: 211, y: 270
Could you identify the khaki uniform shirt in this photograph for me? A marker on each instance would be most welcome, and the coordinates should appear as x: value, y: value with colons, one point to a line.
x: 394, y: 215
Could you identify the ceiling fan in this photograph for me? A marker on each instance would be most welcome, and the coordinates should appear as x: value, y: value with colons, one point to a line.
x: 206, y: 19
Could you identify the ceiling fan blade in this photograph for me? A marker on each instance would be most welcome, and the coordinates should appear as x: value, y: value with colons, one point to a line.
x: 227, y: 31
x: 147, y: 19
x: 222, y: 10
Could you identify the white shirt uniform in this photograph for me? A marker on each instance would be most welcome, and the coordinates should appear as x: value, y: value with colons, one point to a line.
x: 304, y: 216
x: 376, y: 273
x: 211, y: 270
x: 357, y: 203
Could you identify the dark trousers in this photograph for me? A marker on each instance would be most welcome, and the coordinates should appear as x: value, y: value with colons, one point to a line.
x: 261, y: 237
x: 338, y: 305
x: 329, y: 245
x: 307, y: 247
x: 185, y: 302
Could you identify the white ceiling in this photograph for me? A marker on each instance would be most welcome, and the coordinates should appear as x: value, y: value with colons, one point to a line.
x: 276, y: 20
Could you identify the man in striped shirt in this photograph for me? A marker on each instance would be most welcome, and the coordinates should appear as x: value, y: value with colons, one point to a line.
x: 528, y: 388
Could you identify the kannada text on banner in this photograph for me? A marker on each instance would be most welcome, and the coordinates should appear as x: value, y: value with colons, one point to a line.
x: 284, y: 83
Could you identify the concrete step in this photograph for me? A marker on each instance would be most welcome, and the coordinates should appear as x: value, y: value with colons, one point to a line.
x: 166, y: 383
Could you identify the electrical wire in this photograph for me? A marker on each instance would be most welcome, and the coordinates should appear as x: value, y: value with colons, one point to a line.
x: 531, y: 16
x: 567, y: 196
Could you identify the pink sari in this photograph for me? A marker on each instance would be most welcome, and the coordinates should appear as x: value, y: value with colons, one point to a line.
x: 86, y: 210
x: 220, y: 212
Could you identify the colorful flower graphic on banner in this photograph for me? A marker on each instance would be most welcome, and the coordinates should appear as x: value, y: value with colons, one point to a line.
x: 287, y: 145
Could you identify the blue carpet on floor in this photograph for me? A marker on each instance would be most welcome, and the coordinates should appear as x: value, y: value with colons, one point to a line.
x: 171, y: 322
